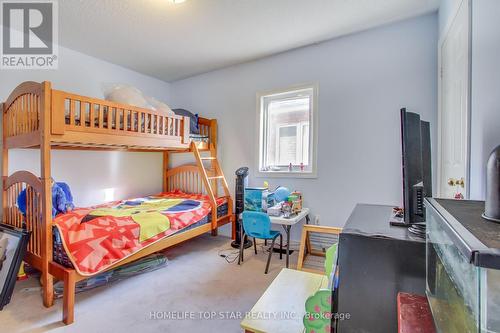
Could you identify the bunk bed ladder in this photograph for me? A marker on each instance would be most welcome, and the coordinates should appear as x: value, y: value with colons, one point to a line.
x: 212, y: 176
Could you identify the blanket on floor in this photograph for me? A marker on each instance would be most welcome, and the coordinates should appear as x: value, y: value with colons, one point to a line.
x: 98, y: 237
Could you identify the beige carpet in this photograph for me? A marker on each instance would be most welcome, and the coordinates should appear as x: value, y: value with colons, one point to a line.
x: 197, y: 280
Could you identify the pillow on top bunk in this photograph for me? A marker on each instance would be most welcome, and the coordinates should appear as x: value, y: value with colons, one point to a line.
x: 160, y: 106
x: 125, y: 94
x: 193, y: 128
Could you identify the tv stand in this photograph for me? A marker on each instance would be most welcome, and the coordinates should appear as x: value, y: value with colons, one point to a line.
x: 376, y: 261
x: 418, y: 229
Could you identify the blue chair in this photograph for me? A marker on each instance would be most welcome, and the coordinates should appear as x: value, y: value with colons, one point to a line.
x: 258, y: 226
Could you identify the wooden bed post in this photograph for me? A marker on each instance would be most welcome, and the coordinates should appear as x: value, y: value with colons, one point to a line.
x: 213, y: 134
x: 213, y: 152
x: 69, y: 297
x: 185, y: 130
x: 165, y: 170
x: 47, y: 279
x: 213, y: 167
x: 214, y: 231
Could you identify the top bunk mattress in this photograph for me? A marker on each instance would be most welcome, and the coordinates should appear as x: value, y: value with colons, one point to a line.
x: 98, y: 237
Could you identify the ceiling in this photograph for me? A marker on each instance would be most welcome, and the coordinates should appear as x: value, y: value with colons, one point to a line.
x: 174, y: 41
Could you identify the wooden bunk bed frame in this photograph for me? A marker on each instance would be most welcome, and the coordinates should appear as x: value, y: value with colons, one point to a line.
x: 37, y: 116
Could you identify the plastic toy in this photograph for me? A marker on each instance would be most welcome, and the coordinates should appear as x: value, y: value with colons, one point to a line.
x: 296, y: 199
x: 281, y: 193
x: 22, y: 273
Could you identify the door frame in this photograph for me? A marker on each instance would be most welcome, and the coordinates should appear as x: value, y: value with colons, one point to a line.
x: 442, y: 39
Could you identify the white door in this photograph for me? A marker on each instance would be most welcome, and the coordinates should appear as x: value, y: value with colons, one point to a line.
x: 454, y: 97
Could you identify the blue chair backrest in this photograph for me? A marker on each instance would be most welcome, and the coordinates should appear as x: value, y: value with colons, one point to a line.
x: 257, y: 224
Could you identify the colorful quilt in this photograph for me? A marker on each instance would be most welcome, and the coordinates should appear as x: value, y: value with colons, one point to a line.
x: 98, y: 237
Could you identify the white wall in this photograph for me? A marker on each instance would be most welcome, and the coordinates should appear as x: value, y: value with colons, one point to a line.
x: 90, y: 173
x: 364, y: 79
x: 485, y: 110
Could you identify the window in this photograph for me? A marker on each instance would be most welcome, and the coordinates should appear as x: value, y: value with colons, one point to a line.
x: 287, y: 131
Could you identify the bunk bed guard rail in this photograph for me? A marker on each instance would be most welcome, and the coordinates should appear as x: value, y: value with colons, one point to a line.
x: 100, y: 116
x: 89, y: 122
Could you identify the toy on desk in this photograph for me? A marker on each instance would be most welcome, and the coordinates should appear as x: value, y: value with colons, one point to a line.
x: 286, y: 208
x: 281, y: 193
x: 275, y: 210
x: 296, y: 199
x: 280, y: 196
x: 267, y: 200
x: 275, y: 203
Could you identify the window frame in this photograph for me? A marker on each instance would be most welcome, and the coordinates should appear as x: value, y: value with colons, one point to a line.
x: 313, y: 130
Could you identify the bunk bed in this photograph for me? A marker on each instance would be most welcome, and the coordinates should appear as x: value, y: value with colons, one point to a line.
x: 39, y: 117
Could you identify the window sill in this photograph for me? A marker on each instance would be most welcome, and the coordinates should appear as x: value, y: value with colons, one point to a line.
x: 286, y: 174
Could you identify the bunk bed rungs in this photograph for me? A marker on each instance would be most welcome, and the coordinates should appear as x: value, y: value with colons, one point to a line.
x: 215, y: 177
x: 208, y: 158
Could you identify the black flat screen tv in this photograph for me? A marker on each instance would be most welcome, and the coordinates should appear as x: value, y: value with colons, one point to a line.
x: 416, y: 165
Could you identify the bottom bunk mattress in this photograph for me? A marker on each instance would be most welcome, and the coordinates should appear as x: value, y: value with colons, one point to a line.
x: 92, y: 239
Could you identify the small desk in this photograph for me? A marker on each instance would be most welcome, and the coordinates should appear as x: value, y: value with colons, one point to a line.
x: 282, y: 306
x: 287, y: 225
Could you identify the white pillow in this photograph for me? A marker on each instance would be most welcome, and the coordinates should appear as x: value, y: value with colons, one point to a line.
x: 160, y: 106
x: 125, y: 94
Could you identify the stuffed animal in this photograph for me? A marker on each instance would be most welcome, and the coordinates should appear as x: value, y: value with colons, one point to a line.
x: 62, y: 199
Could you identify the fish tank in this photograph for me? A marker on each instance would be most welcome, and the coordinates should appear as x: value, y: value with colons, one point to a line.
x: 462, y: 266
